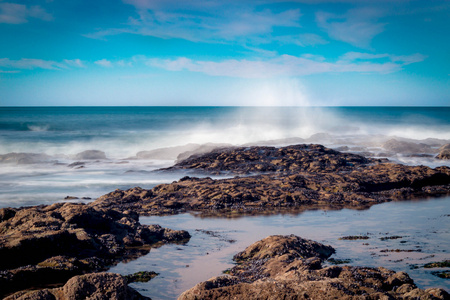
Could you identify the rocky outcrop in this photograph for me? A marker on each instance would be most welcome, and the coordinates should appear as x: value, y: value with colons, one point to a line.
x: 406, y: 147
x: 178, y: 152
x: 289, y: 267
x: 91, y: 154
x: 290, y: 159
x: 101, y: 286
x: 25, y: 158
x: 295, y: 177
x: 49, y: 244
x: 444, y: 152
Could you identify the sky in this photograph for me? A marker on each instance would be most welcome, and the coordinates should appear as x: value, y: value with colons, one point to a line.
x: 216, y: 52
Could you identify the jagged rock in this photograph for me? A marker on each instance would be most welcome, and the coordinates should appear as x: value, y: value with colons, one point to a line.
x: 289, y: 267
x: 91, y: 154
x: 47, y: 244
x: 101, y: 286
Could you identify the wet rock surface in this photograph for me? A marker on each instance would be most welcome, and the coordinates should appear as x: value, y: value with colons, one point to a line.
x: 44, y: 245
x: 101, y: 286
x: 289, y: 267
x: 295, y: 177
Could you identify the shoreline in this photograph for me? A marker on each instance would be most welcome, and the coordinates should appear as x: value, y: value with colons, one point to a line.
x: 298, y: 176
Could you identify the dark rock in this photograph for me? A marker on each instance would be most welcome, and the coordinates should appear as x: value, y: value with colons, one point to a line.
x: 47, y: 244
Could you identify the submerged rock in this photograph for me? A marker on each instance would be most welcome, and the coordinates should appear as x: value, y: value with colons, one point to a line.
x: 289, y: 267
x: 48, y: 244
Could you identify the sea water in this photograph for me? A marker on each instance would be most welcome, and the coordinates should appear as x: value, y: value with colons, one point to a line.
x: 42, y: 162
x: 39, y: 145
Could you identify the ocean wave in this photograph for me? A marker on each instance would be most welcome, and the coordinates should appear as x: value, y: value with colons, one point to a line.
x: 38, y: 127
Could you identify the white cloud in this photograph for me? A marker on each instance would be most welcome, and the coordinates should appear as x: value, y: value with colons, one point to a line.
x: 203, y: 21
x: 287, y: 65
x: 303, y: 40
x: 12, y: 13
x: 400, y: 59
x: 74, y: 63
x: 32, y: 63
x: 357, y: 27
x: 104, y: 63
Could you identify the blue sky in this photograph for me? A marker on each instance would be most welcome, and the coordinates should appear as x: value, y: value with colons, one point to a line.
x: 166, y: 52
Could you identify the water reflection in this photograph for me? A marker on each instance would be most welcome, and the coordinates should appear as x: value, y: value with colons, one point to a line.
x: 401, y: 235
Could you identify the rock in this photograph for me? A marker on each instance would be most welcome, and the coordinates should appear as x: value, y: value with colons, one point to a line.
x: 248, y: 160
x: 25, y: 158
x: 107, y: 286
x: 91, y: 154
x: 168, y: 153
x: 444, y: 152
x: 405, y: 147
x: 47, y: 244
x: 289, y: 267
x: 296, y: 177
x: 143, y: 276
x: 179, y: 152
x: 202, y: 149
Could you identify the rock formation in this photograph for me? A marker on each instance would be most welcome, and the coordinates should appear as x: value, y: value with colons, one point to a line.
x: 49, y: 244
x: 294, y: 177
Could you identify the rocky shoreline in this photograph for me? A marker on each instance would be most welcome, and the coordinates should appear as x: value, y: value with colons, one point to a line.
x: 269, y: 179
x: 48, y: 245
x: 45, y: 245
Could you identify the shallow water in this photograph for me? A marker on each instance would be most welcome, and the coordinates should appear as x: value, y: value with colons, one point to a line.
x: 423, y: 226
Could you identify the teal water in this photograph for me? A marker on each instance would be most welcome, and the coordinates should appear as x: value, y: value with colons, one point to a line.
x: 48, y: 140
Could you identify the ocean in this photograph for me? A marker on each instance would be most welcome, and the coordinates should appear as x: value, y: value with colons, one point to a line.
x: 53, y: 154
x: 43, y: 158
